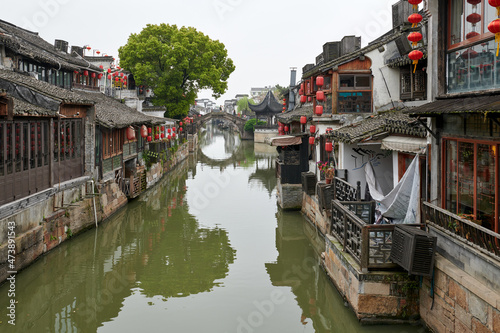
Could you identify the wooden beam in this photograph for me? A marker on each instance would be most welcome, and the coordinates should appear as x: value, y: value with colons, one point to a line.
x: 427, y: 128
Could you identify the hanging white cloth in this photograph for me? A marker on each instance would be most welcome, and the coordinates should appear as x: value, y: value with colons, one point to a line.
x: 402, y: 203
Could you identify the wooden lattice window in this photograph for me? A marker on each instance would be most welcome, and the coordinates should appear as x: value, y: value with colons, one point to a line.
x: 413, y: 85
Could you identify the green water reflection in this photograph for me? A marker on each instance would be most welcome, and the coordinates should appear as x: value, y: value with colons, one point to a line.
x: 206, y: 250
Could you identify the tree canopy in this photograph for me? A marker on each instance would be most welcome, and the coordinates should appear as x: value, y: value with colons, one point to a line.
x: 242, y: 105
x: 176, y: 64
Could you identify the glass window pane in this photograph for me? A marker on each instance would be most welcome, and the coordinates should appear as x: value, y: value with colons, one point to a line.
x: 485, y: 200
x: 451, y: 176
x: 465, y: 178
x: 457, y: 13
x: 346, y: 81
x: 363, y: 82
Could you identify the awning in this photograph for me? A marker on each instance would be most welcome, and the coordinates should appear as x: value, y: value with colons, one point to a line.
x: 404, y: 144
x: 285, y: 140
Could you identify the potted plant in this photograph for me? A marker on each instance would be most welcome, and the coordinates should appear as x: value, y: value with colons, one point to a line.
x: 327, y: 169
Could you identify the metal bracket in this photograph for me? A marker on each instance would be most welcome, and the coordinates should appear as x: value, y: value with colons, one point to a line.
x: 427, y: 128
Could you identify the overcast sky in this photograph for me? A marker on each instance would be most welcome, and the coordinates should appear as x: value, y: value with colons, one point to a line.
x: 263, y: 37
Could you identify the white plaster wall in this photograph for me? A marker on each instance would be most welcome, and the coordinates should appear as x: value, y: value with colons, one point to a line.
x: 383, y: 95
x: 354, y: 160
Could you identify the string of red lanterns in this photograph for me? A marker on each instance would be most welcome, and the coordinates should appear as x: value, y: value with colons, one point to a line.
x: 415, y: 37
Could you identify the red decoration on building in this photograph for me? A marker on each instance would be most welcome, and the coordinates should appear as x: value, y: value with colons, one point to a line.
x: 109, y: 70
x: 328, y: 147
x: 121, y: 74
x: 303, y: 120
x: 173, y: 135
x: 286, y: 128
x: 150, y: 130
x: 280, y: 128
x: 157, y: 136
x: 301, y: 91
x: 311, y: 140
x: 169, y: 137
x: 149, y: 138
x: 98, y: 52
x: 144, y: 131
x: 415, y: 55
x: 303, y: 99
x: 101, y: 66
x: 130, y: 133
x: 309, y: 99
x: 117, y: 79
x: 163, y: 128
x: 471, y: 34
x: 496, y: 4
x: 320, y: 96
x: 180, y: 123
x: 162, y: 135
x: 99, y: 76
x: 473, y: 18
x: 76, y: 72
x: 86, y: 73
x: 414, y: 38
x: 469, y: 54
x: 312, y: 129
x: 169, y: 131
x: 415, y: 19
x: 88, y: 48
x: 494, y: 27
x: 173, y: 129
x: 320, y: 81
x: 109, y: 77
x: 93, y: 75
x: 319, y: 110
x: 415, y: 3
x: 180, y: 129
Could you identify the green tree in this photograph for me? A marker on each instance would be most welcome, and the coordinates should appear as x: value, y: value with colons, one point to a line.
x: 176, y: 64
x: 242, y: 105
x: 250, y: 124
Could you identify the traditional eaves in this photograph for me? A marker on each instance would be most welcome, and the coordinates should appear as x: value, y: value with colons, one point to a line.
x: 33, y: 91
x: 295, y: 114
x: 113, y: 114
x: 22, y: 108
x: 269, y: 105
x: 31, y: 45
x: 468, y: 104
x: 394, y: 122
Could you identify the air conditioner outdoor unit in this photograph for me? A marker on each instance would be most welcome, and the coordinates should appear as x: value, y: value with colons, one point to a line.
x: 308, y: 183
x: 413, y: 249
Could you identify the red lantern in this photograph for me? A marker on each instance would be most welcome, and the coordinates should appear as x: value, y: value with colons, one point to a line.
x: 98, y: 52
x: 474, y: 2
x: 312, y: 129
x: 415, y: 55
x: 88, y: 48
x: 150, y: 130
x: 163, y: 128
x: 328, y: 147
x: 473, y: 18
x: 280, y: 128
x: 319, y: 110
x: 144, y: 131
x: 180, y: 124
x: 494, y: 27
x: 320, y: 81
x: 180, y: 129
x: 173, y: 129
x: 130, y: 133
x: 302, y: 86
x: 309, y: 99
x: 169, y: 137
x: 303, y: 120
x: 311, y: 140
x: 173, y: 135
x: 157, y: 136
x: 284, y: 100
x: 109, y: 70
x: 93, y: 75
x: 495, y: 3
x: 162, y: 135
x: 121, y: 74
x: 471, y: 34
x: 414, y: 19
x: 101, y: 66
x: 86, y: 73
x: 301, y: 92
x: 99, y: 76
x: 414, y: 38
x: 117, y: 79
x: 109, y: 77
x: 169, y: 131
x: 320, y: 96
x: 286, y: 128
x: 76, y: 72
x: 415, y: 4
x: 469, y: 54
x: 149, y: 138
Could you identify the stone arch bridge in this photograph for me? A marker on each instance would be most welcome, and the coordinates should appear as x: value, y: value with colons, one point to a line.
x: 238, y: 122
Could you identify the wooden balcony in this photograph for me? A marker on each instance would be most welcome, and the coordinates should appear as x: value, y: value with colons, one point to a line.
x: 468, y: 232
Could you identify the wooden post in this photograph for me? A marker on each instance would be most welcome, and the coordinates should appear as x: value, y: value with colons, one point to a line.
x: 344, y: 245
x: 358, y: 191
x: 365, y: 249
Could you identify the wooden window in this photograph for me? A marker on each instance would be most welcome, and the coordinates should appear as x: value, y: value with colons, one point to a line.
x: 413, y: 85
x: 355, y: 93
x: 470, y: 180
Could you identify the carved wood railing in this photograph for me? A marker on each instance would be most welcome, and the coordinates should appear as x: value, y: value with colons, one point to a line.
x: 345, y: 191
x: 466, y: 231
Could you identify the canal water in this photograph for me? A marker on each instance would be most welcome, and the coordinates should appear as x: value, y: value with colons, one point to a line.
x: 206, y: 250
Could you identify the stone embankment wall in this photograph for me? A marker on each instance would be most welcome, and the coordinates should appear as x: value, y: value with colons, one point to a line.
x: 46, y: 219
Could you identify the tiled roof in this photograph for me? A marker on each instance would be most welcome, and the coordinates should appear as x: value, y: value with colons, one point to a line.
x: 268, y: 105
x: 31, y: 45
x: 395, y: 122
x: 472, y: 104
x: 295, y: 114
x: 113, y: 114
x: 22, y: 108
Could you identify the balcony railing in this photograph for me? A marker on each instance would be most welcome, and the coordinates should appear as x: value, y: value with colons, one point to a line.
x: 369, y: 244
x: 468, y: 232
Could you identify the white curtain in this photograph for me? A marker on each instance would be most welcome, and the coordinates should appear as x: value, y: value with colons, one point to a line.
x: 402, y: 203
